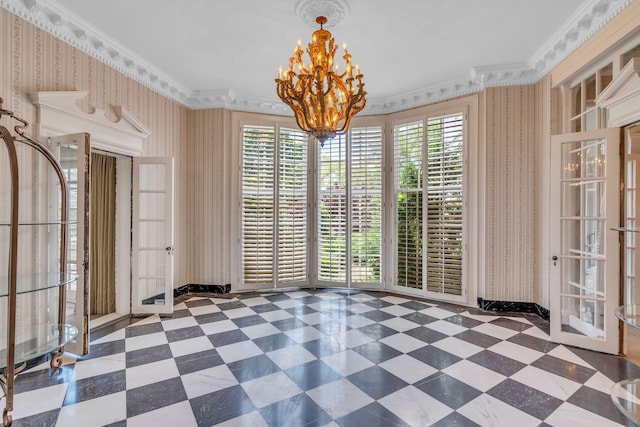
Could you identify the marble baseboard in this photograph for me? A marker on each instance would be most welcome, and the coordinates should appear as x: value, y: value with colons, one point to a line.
x: 514, y: 307
x: 196, y: 288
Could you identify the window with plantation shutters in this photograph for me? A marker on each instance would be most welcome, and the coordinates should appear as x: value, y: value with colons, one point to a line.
x: 332, y: 211
x: 428, y: 184
x: 408, y: 181
x: 366, y: 204
x: 274, y: 205
x: 444, y: 220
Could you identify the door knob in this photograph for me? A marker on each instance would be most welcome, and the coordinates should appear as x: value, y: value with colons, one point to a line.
x: 554, y: 258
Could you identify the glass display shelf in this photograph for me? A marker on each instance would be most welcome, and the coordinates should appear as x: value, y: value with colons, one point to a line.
x: 36, y: 282
x: 4, y: 224
x: 626, y: 230
x: 35, y: 340
x: 629, y: 314
x: 624, y: 395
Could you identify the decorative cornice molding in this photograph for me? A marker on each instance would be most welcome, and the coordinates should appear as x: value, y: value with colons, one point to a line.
x: 62, y: 23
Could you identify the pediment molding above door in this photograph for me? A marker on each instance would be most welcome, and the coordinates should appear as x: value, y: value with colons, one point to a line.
x: 621, y: 98
x: 59, y: 113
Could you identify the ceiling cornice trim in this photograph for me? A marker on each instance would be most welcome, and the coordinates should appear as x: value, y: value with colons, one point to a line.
x: 52, y: 17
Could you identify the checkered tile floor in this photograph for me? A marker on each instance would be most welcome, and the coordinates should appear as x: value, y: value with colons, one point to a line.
x: 325, y: 358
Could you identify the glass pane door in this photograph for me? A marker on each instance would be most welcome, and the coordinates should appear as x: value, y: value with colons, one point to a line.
x: 585, y: 271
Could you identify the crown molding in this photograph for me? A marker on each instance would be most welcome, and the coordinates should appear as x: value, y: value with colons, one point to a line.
x: 52, y: 17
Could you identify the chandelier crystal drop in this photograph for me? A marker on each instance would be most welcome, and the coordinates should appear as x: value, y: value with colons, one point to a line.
x: 323, y: 99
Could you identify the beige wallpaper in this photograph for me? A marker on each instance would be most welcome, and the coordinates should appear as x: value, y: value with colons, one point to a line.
x: 32, y: 60
x: 513, y: 138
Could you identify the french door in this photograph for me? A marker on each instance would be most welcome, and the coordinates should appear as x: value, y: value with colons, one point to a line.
x: 152, y: 236
x: 74, y: 155
x: 585, y: 262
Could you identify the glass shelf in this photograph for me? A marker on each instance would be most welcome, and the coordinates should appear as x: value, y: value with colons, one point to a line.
x: 626, y: 230
x: 4, y: 224
x: 36, y: 282
x: 629, y: 314
x: 625, y: 396
x: 35, y: 340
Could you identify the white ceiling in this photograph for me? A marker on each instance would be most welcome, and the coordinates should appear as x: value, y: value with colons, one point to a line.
x: 208, y: 53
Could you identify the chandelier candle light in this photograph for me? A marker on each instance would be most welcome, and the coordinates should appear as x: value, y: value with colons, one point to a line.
x: 323, y: 100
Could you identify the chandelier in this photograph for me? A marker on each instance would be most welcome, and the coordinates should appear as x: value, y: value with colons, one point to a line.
x: 323, y: 100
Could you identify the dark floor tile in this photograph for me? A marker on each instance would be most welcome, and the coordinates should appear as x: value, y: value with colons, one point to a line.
x: 104, y: 349
x: 288, y: 324
x: 324, y: 346
x: 376, y: 382
x: 41, y: 378
x: 415, y: 305
x: 497, y: 362
x: 448, y: 390
x: 372, y: 415
x: 514, y: 325
x: 93, y: 387
x: 535, y: 343
x: 377, y: 315
x: 198, y: 302
x: 564, y: 368
x: 426, y: 334
x: 110, y: 328
x: 419, y: 318
x: 456, y: 419
x: 311, y: 299
x: 231, y: 305
x: 198, y: 361
x: 148, y: 355
x: 228, y: 337
x: 377, y: 331
x: 154, y: 396
x: 615, y: 368
x: 300, y: 311
x: 297, y: 411
x: 184, y: 333
x: 274, y: 342
x: 464, y: 321
x: 148, y: 328
x: 217, y: 407
x: 478, y: 338
x: 243, y: 322
x: 435, y: 357
x: 376, y: 351
x: 277, y: 297
x: 312, y: 375
x: 598, y: 403
x: 210, y: 317
x: 252, y: 368
x: 122, y: 423
x: 43, y: 419
x: 264, y: 308
x: 525, y: 398
x: 179, y: 314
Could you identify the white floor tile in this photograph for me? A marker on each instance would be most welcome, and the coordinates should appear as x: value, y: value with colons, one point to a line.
x: 562, y: 352
x: 252, y: 419
x: 208, y: 380
x: 313, y: 318
x: 475, y: 375
x: 151, y: 373
x: 298, y: 294
x: 495, y: 331
x: 237, y: 313
x: 289, y: 357
x: 415, y: 407
x: 99, y: 365
x: 261, y: 330
x: 549, y: 383
x: 145, y: 341
x: 538, y: 333
x: 339, y: 398
x: 571, y: 415
x: 399, y: 324
x: 114, y: 336
x: 95, y: 412
x: 361, y: 297
x: 408, y: 368
x: 270, y: 389
x: 491, y: 412
x: 402, y: 342
x: 516, y: 352
x: 458, y: 347
x: 289, y: 303
x: 250, y: 302
x: 238, y: 351
x: 352, y: 338
x: 39, y: 400
x: 397, y: 310
x: 306, y: 334
x: 360, y: 308
x: 191, y: 345
x: 179, y: 414
x: 204, y: 309
x: 179, y: 323
x: 217, y: 327
x: 479, y: 317
x: 600, y: 382
x: 347, y: 362
x: 437, y: 312
x: 356, y: 321
x: 272, y: 316
x: 445, y: 327
x: 394, y: 299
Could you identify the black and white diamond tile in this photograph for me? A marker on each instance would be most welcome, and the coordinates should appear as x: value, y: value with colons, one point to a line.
x: 324, y: 358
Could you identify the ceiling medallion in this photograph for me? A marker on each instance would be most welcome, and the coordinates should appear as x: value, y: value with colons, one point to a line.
x: 335, y: 11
